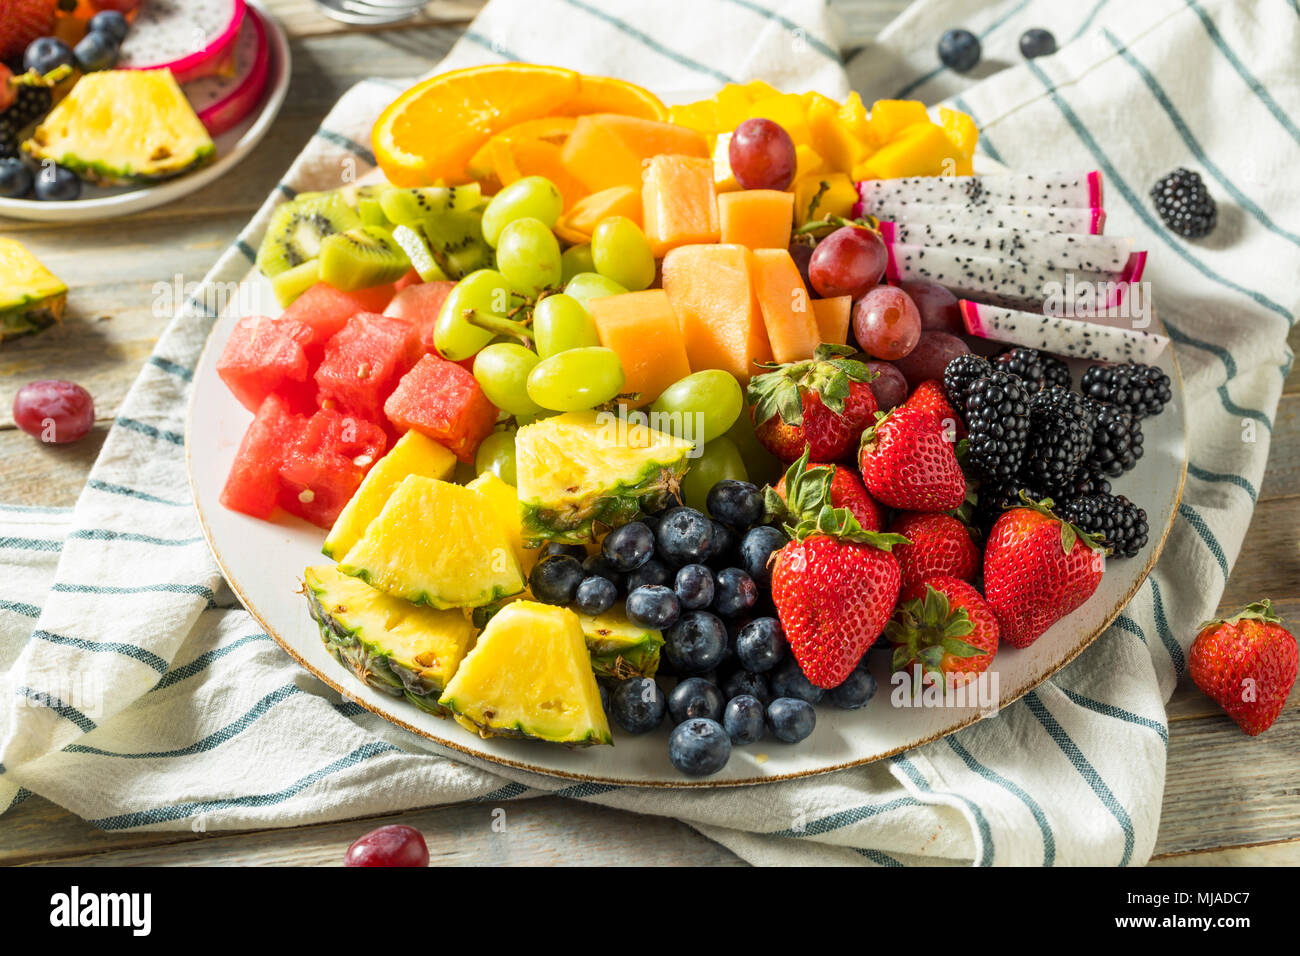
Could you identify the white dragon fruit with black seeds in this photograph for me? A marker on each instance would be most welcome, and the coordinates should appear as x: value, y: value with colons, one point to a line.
x: 1061, y: 250
x: 1080, y: 190
x: 1071, y: 338
x: 192, y: 38
x: 1081, y: 221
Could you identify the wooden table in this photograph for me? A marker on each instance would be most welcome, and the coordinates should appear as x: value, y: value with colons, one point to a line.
x: 1229, y: 799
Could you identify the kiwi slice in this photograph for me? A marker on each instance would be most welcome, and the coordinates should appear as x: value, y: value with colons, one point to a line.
x: 456, y: 242
x: 298, y: 227
x: 410, y: 206
x: 371, y: 211
x: 360, y: 258
x: 291, y: 283
x: 417, y: 250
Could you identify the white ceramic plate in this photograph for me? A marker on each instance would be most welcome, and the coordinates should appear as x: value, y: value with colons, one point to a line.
x: 232, y: 146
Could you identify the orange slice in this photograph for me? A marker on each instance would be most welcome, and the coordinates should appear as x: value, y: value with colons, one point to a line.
x: 604, y: 94
x: 433, y: 129
x: 514, y: 159
x: 549, y: 129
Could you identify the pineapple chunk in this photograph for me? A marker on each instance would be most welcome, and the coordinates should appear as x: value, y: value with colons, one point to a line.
x: 724, y: 180
x: 619, y: 648
x: 504, y: 502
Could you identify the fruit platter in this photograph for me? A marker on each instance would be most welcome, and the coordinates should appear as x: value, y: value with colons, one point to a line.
x: 702, y: 444
x: 108, y: 107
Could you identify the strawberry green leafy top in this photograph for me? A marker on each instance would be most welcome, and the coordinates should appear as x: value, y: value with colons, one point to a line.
x: 807, y: 508
x: 829, y: 373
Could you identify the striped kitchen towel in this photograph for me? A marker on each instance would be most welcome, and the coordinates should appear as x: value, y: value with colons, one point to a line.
x: 138, y: 694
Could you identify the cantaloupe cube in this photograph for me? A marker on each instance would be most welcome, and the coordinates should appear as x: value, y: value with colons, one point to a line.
x: 513, y: 159
x: 579, y: 223
x: 642, y: 328
x: 787, y: 309
x: 678, y: 204
x: 711, y: 290
x: 840, y: 149
x: 833, y: 318
x: 607, y: 149
x: 890, y: 117
x: 922, y: 150
x: 961, y: 130
x: 757, y: 218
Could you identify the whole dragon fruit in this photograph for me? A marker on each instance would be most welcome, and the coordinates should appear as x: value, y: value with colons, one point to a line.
x: 192, y: 38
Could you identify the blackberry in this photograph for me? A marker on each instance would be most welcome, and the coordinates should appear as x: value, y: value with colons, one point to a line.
x: 30, y: 104
x: 995, y: 497
x: 1141, y: 389
x: 1060, y: 436
x: 1116, y: 441
x: 1055, y: 371
x: 1120, y: 524
x: 1082, y: 482
x: 1025, y: 363
x: 997, y: 419
x: 960, y: 373
x: 1185, y: 204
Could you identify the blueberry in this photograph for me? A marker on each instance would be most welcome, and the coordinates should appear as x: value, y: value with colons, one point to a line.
x: 604, y: 697
x: 791, y: 719
x: 57, y: 184
x: 555, y: 580
x: 699, y: 747
x: 96, y: 51
x: 695, y: 643
x: 694, y: 587
x: 744, y: 683
x: 734, y: 592
x: 760, y: 645
x: 723, y: 549
x: 596, y: 595
x: 756, y: 549
x: 737, y: 503
x: 653, y: 606
x: 1037, y: 42
x: 744, y: 720
x: 628, y: 547
x: 858, y: 688
x: 695, y: 697
x: 46, y: 54
x: 16, y: 182
x: 787, y: 680
x: 652, y: 572
x: 575, y: 551
x: 596, y: 564
x: 959, y: 50
x: 637, y: 705
x: 110, y: 23
x: 685, y: 536
x: 652, y: 522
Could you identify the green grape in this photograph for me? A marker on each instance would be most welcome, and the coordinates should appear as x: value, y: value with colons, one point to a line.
x: 718, y: 459
x: 560, y: 323
x: 486, y: 293
x: 496, y: 454
x: 576, y: 380
x: 586, y: 286
x: 531, y: 197
x: 762, y: 465
x: 701, y: 406
x: 502, y: 370
x: 576, y: 259
x: 528, y: 254
x: 621, y: 252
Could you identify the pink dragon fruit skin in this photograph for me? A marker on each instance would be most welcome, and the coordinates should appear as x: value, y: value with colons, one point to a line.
x: 1071, y: 338
x: 222, y: 102
x: 192, y: 38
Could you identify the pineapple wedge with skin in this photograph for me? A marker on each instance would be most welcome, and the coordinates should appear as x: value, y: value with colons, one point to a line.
x: 393, y: 645
x: 31, y: 298
x: 583, y: 473
x: 414, y: 454
x: 439, y: 544
x: 619, y: 648
x: 504, y: 502
x: 529, y: 675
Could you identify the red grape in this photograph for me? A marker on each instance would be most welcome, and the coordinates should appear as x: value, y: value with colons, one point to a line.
x: 801, y: 253
x: 938, y: 307
x: 54, y: 411
x: 889, y: 386
x: 394, y: 845
x: 886, y: 323
x: 847, y: 262
x: 933, y: 352
x: 761, y: 154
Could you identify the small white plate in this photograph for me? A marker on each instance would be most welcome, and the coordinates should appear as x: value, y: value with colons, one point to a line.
x: 232, y: 146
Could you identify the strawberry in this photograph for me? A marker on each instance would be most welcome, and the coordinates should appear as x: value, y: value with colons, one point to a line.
x: 940, y: 545
x: 943, y: 627
x: 930, y: 396
x: 1248, y: 664
x: 1037, y: 569
x: 821, y: 404
x: 835, y: 584
x: 907, y: 462
x: 847, y: 491
x: 21, y: 22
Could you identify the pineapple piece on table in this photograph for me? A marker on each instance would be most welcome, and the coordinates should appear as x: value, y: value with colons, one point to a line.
x: 31, y: 298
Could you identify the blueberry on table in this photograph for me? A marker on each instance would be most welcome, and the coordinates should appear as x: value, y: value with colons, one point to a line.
x: 1037, y: 42
x: 858, y: 688
x: 57, y: 184
x: 694, y: 587
x: 756, y: 550
x: 791, y: 719
x: 737, y: 503
x: 959, y: 50
x: 696, y: 643
x: 744, y: 720
x: 685, y: 536
x: 734, y: 592
x: 653, y: 606
x: 699, y: 747
x: 638, y: 705
x: 787, y: 680
x: 651, y: 573
x: 695, y: 697
x: 595, y: 595
x: 15, y: 179
x: 628, y: 547
x: 555, y: 580
x: 761, y: 644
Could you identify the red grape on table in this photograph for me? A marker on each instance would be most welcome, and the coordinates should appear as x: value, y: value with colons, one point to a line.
x: 762, y: 155
x: 933, y: 352
x: 849, y: 261
x: 938, y: 307
x: 55, y: 411
x: 889, y: 386
x: 393, y: 845
x: 886, y: 323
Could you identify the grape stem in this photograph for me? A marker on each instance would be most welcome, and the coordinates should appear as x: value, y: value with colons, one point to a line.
x: 835, y: 222
x: 500, y: 325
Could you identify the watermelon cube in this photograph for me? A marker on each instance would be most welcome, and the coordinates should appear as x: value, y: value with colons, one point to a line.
x: 253, y: 485
x: 442, y: 401
x: 265, y: 356
x: 420, y: 305
x: 325, y: 309
x: 325, y: 464
x: 364, y: 362
x: 411, y: 278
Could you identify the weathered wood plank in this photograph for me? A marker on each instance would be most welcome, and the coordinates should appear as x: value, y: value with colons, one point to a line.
x: 1286, y: 853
